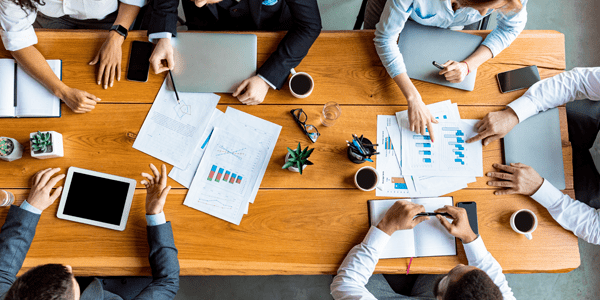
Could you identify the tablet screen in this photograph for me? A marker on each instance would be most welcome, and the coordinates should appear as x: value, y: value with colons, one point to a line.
x: 98, y: 199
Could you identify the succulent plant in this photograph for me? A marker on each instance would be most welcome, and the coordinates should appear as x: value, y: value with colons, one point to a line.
x: 41, y: 141
x: 6, y: 146
x: 298, y: 158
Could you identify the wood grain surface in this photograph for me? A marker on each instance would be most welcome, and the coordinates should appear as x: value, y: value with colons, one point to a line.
x: 299, y: 224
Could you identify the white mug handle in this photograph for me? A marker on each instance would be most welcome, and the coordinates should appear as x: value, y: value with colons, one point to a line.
x: 293, y: 71
x: 528, y: 236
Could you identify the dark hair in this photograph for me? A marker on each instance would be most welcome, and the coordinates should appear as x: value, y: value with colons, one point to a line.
x: 475, y: 284
x: 46, y: 282
x: 28, y: 5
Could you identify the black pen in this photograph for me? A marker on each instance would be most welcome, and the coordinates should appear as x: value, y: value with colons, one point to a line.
x: 437, y: 65
x: 428, y: 214
x: 174, y: 88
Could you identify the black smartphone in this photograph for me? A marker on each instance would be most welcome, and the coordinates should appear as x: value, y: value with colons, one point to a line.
x: 518, y: 79
x: 471, y: 208
x: 139, y: 61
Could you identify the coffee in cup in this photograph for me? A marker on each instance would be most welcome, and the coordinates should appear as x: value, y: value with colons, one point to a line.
x: 524, y: 222
x: 301, y: 84
x: 366, y: 178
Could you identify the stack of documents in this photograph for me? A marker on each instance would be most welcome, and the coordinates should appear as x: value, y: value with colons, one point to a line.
x: 220, y: 157
x: 411, y: 165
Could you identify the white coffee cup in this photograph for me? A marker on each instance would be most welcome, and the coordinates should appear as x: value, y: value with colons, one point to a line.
x: 367, y: 189
x: 296, y: 74
x: 517, y: 230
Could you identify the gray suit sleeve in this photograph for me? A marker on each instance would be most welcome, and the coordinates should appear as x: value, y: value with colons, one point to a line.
x: 164, y: 263
x: 15, y: 239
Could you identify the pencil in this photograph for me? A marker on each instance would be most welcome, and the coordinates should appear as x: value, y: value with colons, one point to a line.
x: 174, y: 88
x: 408, y: 268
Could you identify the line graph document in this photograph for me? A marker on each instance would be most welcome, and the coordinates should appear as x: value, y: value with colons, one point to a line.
x: 172, y: 131
x: 391, y: 183
x: 226, y: 175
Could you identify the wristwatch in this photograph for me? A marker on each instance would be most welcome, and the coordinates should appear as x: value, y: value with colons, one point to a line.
x: 120, y: 30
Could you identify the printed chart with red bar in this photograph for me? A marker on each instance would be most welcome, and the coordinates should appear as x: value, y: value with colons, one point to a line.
x: 227, y: 179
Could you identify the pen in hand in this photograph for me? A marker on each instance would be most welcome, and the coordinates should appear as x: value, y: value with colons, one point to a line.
x: 437, y: 65
x: 431, y: 214
x: 174, y: 88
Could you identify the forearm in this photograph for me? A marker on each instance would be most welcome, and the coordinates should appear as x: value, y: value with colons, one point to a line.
x: 127, y: 14
x: 408, y: 89
x: 164, y: 263
x: 34, y: 63
x: 478, y: 256
x: 481, y: 55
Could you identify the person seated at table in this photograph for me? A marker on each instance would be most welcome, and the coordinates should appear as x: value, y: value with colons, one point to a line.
x: 481, y: 279
x: 388, y: 18
x: 55, y: 281
x: 19, y: 18
x: 583, y: 118
x: 300, y: 17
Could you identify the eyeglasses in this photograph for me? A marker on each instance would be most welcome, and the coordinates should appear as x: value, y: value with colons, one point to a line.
x: 310, y: 130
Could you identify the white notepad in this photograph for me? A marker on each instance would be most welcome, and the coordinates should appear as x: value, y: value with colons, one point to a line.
x: 429, y: 238
x: 23, y: 96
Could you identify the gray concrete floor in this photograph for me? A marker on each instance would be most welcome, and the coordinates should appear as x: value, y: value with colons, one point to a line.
x: 578, y: 20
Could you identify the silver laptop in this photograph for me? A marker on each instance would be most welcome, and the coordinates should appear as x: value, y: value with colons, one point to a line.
x: 213, y: 62
x: 421, y: 45
x: 536, y: 142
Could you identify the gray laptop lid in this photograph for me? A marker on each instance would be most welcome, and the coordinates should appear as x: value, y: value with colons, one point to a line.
x: 213, y: 62
x: 420, y: 45
x: 536, y: 142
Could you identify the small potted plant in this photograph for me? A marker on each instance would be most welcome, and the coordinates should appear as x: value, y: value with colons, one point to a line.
x: 10, y: 149
x: 297, y: 160
x: 46, y: 144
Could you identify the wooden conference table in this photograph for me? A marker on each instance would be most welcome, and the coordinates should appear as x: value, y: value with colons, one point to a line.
x: 299, y: 224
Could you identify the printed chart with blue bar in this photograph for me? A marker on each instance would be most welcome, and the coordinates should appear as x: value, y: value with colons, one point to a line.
x: 455, y: 138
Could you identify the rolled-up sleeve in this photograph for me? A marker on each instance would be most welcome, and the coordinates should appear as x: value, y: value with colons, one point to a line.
x: 17, y: 26
x: 391, y: 23
x: 138, y: 3
x: 510, y: 25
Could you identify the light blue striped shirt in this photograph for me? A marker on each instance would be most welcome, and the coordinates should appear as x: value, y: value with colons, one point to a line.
x: 438, y: 13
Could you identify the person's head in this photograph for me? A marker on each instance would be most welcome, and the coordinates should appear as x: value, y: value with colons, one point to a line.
x: 200, y: 3
x: 466, y: 283
x: 45, y: 282
x: 484, y: 5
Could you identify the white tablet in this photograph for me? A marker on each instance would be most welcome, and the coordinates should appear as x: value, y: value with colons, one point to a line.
x: 96, y: 198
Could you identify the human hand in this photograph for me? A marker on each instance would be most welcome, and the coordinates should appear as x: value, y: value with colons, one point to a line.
x: 459, y: 227
x: 79, y: 101
x: 109, y: 56
x: 255, y: 89
x: 495, y: 125
x: 455, y: 72
x: 163, y: 51
x: 401, y: 216
x: 518, y: 178
x: 156, y: 190
x: 420, y: 118
x: 39, y: 196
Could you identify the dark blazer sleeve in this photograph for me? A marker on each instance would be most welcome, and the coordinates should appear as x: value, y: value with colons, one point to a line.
x: 15, y: 238
x: 164, y: 263
x: 163, y: 16
x: 296, y: 43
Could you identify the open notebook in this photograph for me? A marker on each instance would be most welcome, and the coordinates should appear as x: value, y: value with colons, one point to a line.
x: 22, y: 96
x: 429, y: 238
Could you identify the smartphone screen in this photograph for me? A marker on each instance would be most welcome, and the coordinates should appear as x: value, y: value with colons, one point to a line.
x: 471, y: 208
x: 139, y: 61
x: 518, y: 79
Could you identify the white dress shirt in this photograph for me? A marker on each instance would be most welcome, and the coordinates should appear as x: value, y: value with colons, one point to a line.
x: 359, y: 264
x: 579, y: 83
x: 17, y: 25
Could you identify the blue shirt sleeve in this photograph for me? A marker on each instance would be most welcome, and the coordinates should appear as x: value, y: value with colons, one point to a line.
x: 30, y: 208
x: 394, y: 16
x: 154, y: 220
x: 510, y: 25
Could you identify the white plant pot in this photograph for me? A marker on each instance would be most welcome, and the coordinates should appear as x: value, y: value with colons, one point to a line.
x: 16, y: 153
x: 57, y: 146
x: 293, y: 169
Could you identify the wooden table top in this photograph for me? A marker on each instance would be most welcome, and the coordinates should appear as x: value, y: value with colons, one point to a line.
x: 299, y: 224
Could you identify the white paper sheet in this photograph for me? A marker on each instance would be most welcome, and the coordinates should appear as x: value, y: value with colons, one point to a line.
x: 391, y: 182
x: 185, y: 176
x: 172, y: 131
x: 7, y: 88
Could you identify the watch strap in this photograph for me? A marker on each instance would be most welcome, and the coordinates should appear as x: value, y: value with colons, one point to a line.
x: 120, y: 30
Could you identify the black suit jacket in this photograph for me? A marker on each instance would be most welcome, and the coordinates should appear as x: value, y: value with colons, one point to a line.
x: 300, y: 17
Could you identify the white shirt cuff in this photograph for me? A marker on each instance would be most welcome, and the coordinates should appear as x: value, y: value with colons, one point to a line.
x: 376, y: 239
x: 138, y: 3
x: 547, y: 195
x: 523, y: 107
x: 154, y: 37
x: 475, y: 250
x: 30, y: 208
x: 269, y: 83
x: 154, y: 220
x: 17, y: 40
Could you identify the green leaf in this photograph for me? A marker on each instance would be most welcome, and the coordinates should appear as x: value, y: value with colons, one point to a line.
x: 299, y: 166
x: 292, y: 153
x: 310, y: 152
x: 35, y: 148
x: 287, y: 165
x: 298, y: 150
